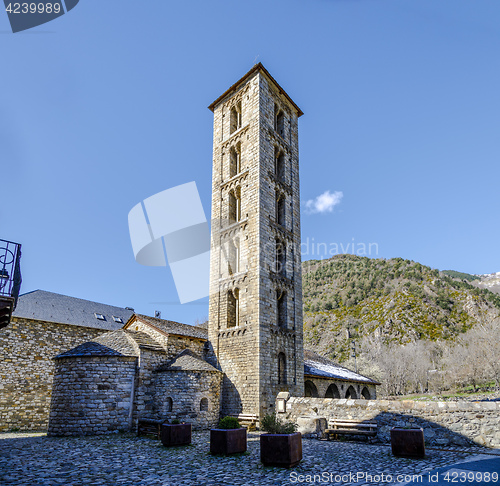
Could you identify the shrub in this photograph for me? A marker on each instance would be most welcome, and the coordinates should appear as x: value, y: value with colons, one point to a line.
x: 229, y: 423
x: 176, y: 421
x: 273, y: 425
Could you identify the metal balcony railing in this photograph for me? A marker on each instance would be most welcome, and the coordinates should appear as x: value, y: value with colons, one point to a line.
x: 10, y: 270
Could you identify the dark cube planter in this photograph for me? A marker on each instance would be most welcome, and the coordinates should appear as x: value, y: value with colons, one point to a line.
x: 408, y: 442
x: 175, y: 434
x: 228, y: 441
x: 282, y: 450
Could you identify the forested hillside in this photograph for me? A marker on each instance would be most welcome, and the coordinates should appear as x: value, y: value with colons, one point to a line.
x: 387, y: 304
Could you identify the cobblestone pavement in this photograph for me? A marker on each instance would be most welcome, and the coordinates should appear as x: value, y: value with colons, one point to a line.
x: 35, y: 459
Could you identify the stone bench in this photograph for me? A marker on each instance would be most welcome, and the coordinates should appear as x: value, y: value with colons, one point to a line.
x: 247, y: 420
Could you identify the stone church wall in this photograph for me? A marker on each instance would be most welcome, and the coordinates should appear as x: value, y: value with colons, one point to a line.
x: 179, y: 395
x: 26, y: 351
x: 444, y: 423
x: 92, y: 395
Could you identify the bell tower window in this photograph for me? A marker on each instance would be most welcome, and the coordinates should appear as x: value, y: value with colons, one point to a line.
x: 279, y: 121
x: 234, y: 203
x: 282, y: 369
x: 235, y: 160
x: 280, y: 258
x: 235, y: 118
x: 281, y: 308
x: 279, y: 164
x: 280, y: 210
x: 233, y: 308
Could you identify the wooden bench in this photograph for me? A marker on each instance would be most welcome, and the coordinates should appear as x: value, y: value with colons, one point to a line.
x: 149, y: 427
x: 351, y: 427
x: 247, y: 420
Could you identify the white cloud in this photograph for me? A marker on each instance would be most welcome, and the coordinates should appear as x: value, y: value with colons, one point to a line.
x: 324, y: 203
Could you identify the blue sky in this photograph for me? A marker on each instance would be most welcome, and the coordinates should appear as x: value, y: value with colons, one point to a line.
x: 107, y: 105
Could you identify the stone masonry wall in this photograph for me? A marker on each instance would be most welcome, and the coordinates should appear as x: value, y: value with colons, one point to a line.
x: 92, y: 395
x: 178, y: 395
x: 26, y: 351
x: 144, y: 390
x: 444, y: 423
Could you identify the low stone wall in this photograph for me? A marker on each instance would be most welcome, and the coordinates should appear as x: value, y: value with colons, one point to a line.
x: 92, y: 395
x: 27, y: 349
x: 444, y: 423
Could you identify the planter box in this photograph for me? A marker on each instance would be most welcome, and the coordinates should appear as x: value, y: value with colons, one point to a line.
x: 175, y: 434
x: 408, y: 442
x: 282, y: 450
x: 228, y: 441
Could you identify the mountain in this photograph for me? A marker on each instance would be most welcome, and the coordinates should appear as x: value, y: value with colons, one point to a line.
x: 401, y: 301
x: 490, y: 281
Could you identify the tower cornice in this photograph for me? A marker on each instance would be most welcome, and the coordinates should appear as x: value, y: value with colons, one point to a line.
x: 257, y: 68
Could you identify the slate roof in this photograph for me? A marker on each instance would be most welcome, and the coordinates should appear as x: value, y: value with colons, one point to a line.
x: 316, y: 365
x: 115, y: 343
x: 90, y: 349
x: 172, y: 327
x: 187, y: 361
x: 62, y: 309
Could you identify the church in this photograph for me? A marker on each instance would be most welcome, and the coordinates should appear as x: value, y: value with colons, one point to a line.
x: 252, y: 348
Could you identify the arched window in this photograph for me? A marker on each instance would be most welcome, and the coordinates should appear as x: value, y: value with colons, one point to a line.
x: 282, y: 369
x: 168, y: 404
x: 235, y: 160
x: 235, y: 123
x: 279, y: 120
x: 280, y: 210
x: 204, y: 405
x: 351, y: 393
x: 233, y: 308
x: 234, y: 206
x: 279, y: 164
x: 280, y: 258
x: 281, y: 308
x: 366, y: 393
x: 332, y: 391
x: 233, y: 256
x: 310, y: 389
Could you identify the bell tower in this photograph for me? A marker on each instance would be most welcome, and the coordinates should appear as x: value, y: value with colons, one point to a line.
x: 255, y: 308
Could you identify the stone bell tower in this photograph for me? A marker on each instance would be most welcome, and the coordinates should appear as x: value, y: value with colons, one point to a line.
x: 255, y: 310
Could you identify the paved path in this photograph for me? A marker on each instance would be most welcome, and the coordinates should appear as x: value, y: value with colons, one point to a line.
x: 35, y: 459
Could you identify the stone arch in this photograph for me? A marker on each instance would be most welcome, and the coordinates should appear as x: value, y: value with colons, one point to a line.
x: 310, y: 389
x: 365, y: 393
x: 204, y: 405
x: 332, y: 391
x: 351, y: 393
